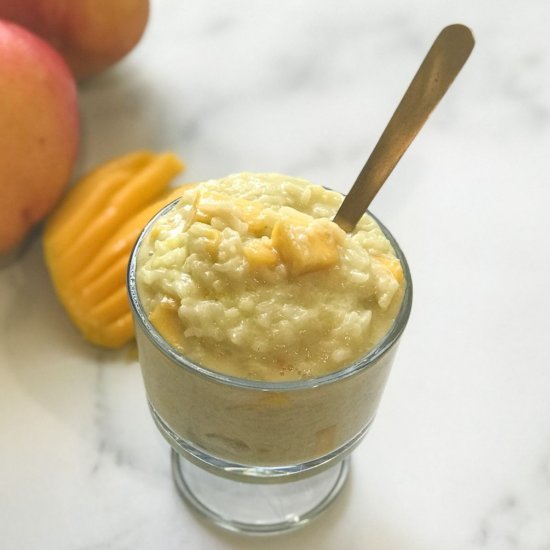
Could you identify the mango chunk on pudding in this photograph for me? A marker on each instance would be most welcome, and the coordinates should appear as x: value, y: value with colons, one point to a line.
x: 307, y: 245
x: 261, y: 253
x: 247, y: 275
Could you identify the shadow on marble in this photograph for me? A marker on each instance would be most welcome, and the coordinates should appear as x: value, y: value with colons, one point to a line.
x: 122, y: 110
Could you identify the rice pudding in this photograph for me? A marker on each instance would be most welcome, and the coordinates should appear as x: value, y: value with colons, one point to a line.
x: 248, y: 276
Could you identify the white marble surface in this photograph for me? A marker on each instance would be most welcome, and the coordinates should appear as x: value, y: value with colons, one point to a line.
x: 459, y: 456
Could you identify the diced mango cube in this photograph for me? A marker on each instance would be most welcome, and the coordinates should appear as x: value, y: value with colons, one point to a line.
x: 392, y: 264
x: 260, y: 253
x: 306, y: 246
x: 214, y: 204
x: 274, y: 400
x: 166, y: 320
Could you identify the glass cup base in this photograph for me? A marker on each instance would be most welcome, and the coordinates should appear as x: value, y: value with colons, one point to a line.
x: 256, y: 507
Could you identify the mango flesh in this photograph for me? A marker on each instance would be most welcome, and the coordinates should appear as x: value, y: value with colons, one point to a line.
x: 306, y: 247
x: 91, y: 35
x: 260, y: 253
x: 88, y: 239
x: 39, y: 131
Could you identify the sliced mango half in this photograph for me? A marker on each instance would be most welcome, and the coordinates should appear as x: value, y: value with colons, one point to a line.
x: 88, y: 239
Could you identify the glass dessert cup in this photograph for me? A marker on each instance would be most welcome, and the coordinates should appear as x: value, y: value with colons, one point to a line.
x: 256, y: 456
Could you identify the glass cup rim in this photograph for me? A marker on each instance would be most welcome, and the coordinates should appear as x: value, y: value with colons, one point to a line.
x: 364, y: 362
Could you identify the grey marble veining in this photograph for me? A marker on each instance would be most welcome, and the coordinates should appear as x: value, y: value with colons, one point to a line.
x: 521, y: 517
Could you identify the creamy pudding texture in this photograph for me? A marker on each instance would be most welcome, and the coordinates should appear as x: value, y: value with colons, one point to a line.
x: 248, y: 276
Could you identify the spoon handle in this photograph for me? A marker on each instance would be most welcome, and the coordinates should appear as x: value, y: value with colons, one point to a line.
x: 443, y: 62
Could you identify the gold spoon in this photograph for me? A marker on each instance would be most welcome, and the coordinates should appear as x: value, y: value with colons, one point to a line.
x: 443, y: 62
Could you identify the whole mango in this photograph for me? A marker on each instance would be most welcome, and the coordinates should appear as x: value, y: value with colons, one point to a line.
x: 91, y: 35
x: 39, y: 130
